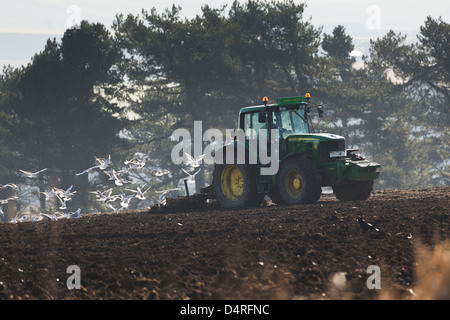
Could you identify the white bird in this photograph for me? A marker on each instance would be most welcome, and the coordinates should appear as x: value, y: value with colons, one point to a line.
x: 136, y: 163
x: 76, y: 214
x: 112, y: 207
x: 118, y: 180
x: 49, y: 195
x: 167, y: 190
x: 144, y: 159
x: 104, y: 163
x: 105, y: 196
x: 191, y: 176
x: 110, y: 174
x: 99, y: 194
x: 8, y: 185
x: 160, y: 173
x: 140, y: 194
x: 162, y: 197
x: 63, y: 205
x: 5, y: 201
x: 37, y: 218
x: 132, y: 163
x: 32, y: 175
x: 23, y: 218
x: 125, y: 200
x: 194, y: 162
x: 65, y: 194
x: 88, y: 170
x: 50, y: 217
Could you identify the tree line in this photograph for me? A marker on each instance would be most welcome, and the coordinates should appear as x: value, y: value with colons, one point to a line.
x: 123, y: 92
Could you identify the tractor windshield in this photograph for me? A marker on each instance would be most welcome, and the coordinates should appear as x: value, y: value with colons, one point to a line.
x: 290, y: 122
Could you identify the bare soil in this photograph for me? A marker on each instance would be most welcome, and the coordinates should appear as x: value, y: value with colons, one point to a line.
x: 196, y: 250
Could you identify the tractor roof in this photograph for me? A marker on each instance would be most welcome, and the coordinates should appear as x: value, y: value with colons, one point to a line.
x: 288, y: 101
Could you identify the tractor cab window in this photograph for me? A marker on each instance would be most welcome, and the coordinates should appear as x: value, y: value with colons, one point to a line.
x: 252, y: 121
x: 290, y: 122
x: 299, y: 124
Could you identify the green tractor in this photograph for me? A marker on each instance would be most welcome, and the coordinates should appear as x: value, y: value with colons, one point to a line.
x: 305, y: 161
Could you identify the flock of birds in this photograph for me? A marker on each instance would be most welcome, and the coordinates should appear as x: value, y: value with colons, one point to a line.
x: 106, y: 197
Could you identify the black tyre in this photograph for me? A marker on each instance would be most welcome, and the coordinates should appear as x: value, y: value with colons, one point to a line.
x: 354, y: 191
x: 298, y: 182
x: 235, y: 185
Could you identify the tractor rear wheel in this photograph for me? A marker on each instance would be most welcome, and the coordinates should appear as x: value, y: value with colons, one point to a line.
x: 235, y: 185
x: 298, y: 182
x: 355, y: 191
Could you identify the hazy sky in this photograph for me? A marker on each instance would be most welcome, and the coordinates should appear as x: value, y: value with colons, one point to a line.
x: 26, y: 24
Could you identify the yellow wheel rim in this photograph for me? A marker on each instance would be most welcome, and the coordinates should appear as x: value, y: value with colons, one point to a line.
x: 294, y: 184
x: 232, y: 182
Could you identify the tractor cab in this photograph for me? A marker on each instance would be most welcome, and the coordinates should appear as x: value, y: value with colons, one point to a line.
x: 290, y: 116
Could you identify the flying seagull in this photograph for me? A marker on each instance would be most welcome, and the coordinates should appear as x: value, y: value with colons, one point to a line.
x: 50, y: 194
x: 194, y: 162
x: 105, y: 196
x: 88, y: 170
x: 63, y: 201
x: 65, y: 194
x: 112, y: 207
x: 5, y: 201
x: 160, y: 173
x: 37, y: 218
x: 32, y: 175
x: 118, y: 180
x: 135, y: 162
x: 8, y: 185
x: 125, y: 200
x: 132, y: 163
x: 191, y: 176
x: 140, y: 194
x: 167, y: 190
x: 23, y: 218
x: 162, y: 197
x: 110, y: 173
x: 104, y: 163
x: 50, y: 217
x: 76, y: 214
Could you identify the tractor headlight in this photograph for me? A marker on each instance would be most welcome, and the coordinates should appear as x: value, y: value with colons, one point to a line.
x: 337, y: 154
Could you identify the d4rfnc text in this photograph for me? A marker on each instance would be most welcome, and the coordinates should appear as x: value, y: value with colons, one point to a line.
x: 250, y: 309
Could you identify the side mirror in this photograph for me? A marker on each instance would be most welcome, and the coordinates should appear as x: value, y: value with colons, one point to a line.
x: 320, y: 111
x: 262, y: 117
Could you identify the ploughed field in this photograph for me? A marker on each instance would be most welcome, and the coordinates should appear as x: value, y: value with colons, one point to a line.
x: 196, y: 250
